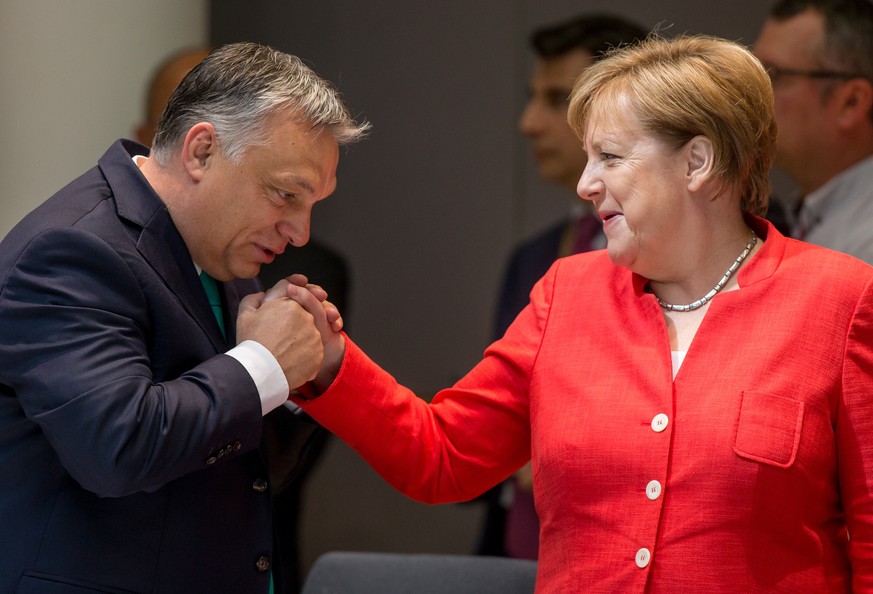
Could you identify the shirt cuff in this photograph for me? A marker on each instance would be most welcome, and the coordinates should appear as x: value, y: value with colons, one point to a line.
x: 265, y: 371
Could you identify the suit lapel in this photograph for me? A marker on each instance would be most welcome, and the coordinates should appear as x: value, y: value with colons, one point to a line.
x: 159, y: 241
x: 162, y: 246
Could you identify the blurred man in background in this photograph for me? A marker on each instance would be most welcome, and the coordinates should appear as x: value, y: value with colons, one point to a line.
x: 820, y: 57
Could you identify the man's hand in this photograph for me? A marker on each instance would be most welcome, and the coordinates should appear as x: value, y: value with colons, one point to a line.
x: 287, y: 330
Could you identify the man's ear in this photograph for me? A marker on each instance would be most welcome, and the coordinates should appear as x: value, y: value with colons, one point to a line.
x: 855, y: 98
x: 700, y: 161
x: 199, y: 147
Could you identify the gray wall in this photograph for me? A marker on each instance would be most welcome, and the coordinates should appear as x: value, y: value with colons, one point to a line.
x: 425, y: 207
x: 74, y: 77
x: 429, y: 206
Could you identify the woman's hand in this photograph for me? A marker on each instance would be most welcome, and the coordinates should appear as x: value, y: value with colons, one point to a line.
x: 328, y: 321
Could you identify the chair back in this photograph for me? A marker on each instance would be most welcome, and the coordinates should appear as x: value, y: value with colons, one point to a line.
x: 393, y: 573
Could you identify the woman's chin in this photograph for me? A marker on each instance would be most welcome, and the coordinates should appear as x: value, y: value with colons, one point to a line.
x: 620, y: 256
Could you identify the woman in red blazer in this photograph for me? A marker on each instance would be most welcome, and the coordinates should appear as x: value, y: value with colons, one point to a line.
x: 697, y: 399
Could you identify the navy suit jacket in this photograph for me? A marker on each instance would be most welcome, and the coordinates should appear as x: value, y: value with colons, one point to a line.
x: 528, y: 263
x: 130, y: 445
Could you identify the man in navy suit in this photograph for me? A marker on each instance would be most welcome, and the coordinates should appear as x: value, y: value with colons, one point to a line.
x: 282, y: 428
x: 132, y: 392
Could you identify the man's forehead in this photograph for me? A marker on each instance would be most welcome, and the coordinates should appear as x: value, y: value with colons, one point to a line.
x: 562, y: 69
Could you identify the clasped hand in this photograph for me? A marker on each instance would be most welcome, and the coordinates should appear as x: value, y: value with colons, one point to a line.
x: 295, y: 321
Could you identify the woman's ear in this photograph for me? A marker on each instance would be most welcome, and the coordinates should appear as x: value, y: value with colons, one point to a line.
x: 200, y: 145
x: 700, y: 161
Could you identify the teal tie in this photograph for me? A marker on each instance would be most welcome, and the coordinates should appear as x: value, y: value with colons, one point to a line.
x: 211, y: 288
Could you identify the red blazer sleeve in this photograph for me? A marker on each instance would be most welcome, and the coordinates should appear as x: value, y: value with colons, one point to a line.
x: 470, y: 437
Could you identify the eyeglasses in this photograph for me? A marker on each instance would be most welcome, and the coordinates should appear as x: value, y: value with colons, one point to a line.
x: 777, y: 73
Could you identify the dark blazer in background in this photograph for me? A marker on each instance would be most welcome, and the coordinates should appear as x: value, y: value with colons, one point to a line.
x: 130, y: 455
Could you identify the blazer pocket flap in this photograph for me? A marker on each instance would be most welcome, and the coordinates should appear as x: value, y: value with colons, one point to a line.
x: 768, y: 428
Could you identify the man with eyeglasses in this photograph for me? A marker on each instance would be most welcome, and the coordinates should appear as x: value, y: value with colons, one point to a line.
x: 820, y: 57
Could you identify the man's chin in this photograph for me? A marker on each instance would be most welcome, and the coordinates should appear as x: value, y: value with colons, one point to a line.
x: 249, y: 271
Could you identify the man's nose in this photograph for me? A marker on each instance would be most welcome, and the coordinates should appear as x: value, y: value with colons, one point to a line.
x: 295, y: 229
x: 530, y: 122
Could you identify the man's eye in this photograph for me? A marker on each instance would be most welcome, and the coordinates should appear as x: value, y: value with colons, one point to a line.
x: 557, y: 100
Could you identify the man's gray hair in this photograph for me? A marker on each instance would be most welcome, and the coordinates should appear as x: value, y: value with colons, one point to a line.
x: 238, y: 87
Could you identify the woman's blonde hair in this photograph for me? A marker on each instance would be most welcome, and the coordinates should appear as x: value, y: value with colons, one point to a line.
x: 686, y: 87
